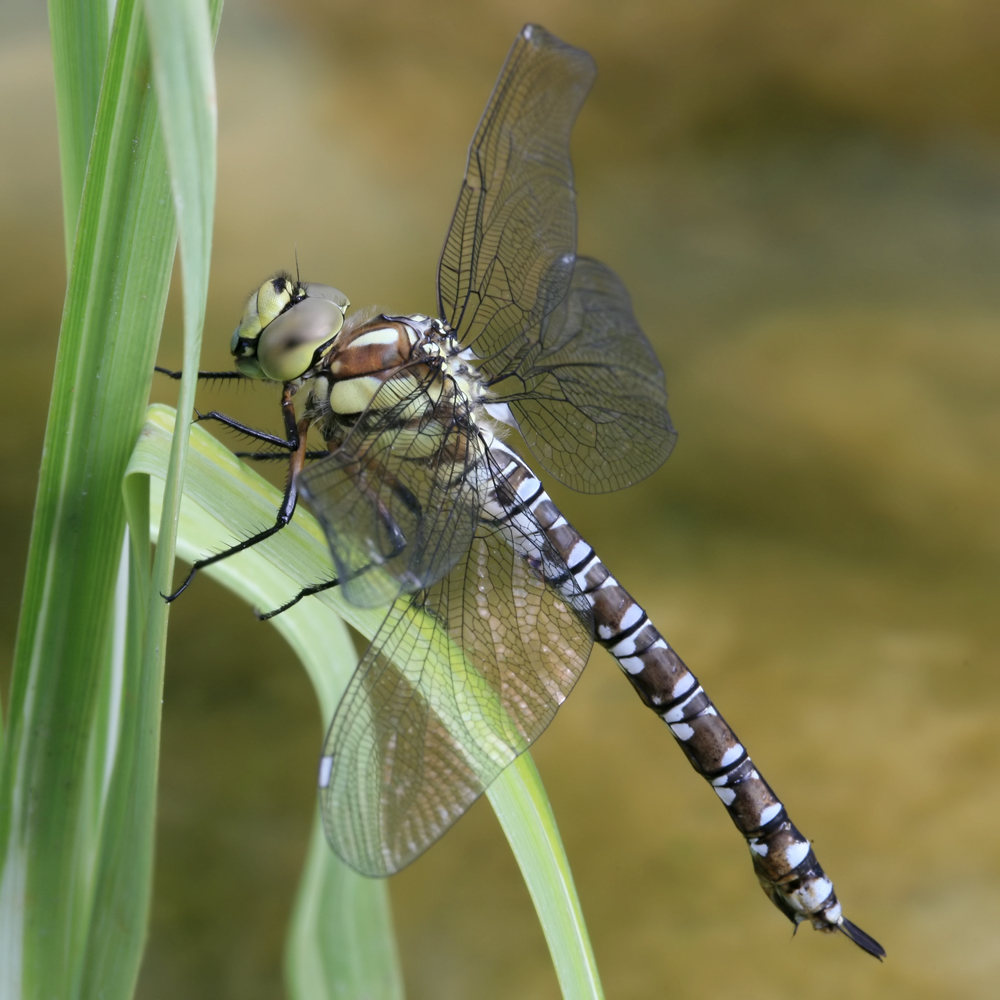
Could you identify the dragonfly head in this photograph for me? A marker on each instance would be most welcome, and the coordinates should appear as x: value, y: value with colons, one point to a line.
x: 286, y: 326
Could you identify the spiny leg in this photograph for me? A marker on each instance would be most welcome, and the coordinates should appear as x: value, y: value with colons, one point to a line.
x: 392, y: 529
x: 297, y: 442
x: 240, y: 428
x: 317, y: 588
x: 265, y: 456
x: 258, y: 435
x: 289, y: 445
x: 358, y: 476
x: 202, y: 375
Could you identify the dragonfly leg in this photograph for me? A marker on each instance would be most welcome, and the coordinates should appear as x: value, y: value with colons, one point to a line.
x: 203, y: 375
x: 264, y: 456
x: 297, y: 440
x: 291, y: 444
x: 317, y: 588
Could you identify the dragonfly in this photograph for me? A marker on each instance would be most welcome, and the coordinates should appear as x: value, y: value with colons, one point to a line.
x: 494, y: 599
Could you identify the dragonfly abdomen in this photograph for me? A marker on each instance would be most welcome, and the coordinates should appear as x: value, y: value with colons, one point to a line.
x: 783, y: 859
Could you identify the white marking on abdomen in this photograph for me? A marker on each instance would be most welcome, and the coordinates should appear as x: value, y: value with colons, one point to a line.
x: 766, y: 815
x: 508, y: 469
x: 527, y: 488
x: 630, y: 664
x: 677, y: 713
x: 814, y: 892
x: 795, y: 854
x: 733, y: 753
x: 626, y: 647
x: 634, y: 614
x: 685, y: 683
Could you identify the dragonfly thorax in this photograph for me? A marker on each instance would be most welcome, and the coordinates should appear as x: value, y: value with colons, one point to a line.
x: 376, y: 365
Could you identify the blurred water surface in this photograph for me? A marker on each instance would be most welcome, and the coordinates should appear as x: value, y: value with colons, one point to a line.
x: 805, y: 203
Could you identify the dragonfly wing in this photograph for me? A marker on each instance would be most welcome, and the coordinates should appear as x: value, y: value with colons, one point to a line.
x: 398, y: 499
x: 589, y: 394
x: 459, y: 680
x: 592, y: 399
x: 510, y: 249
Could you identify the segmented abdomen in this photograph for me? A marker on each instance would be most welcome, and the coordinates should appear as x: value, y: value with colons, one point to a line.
x: 783, y: 860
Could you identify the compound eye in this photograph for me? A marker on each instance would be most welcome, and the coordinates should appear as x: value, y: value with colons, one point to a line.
x: 262, y: 307
x: 327, y: 292
x: 273, y: 298
x: 287, y: 346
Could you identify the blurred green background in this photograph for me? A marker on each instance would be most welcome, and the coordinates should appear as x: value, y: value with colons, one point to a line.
x: 804, y: 200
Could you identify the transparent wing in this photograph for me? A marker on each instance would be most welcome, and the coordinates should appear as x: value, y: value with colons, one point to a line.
x: 458, y: 681
x: 592, y: 400
x: 510, y: 249
x: 588, y: 392
x: 397, y: 500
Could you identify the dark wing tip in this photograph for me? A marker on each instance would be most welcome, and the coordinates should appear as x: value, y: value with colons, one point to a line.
x: 861, y: 939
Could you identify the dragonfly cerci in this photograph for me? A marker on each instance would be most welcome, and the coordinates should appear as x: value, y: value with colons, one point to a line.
x: 493, y: 599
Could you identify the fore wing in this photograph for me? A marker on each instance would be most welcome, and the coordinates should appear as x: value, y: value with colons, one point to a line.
x: 590, y: 397
x: 510, y: 249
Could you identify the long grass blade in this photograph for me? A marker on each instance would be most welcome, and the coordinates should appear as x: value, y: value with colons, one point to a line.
x: 67, y: 928
x: 49, y: 834
x: 519, y: 801
x: 186, y: 106
x: 79, y: 33
x: 182, y: 39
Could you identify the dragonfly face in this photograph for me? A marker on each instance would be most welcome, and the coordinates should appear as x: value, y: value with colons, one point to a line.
x: 285, y: 328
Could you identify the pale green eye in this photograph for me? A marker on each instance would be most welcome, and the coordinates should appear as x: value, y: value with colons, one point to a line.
x: 287, y: 346
x: 273, y: 298
x: 283, y: 326
x: 263, y: 306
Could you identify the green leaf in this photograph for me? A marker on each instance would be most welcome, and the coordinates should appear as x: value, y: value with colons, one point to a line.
x: 79, y: 47
x: 181, y: 38
x: 333, y: 939
x: 75, y: 839
x: 341, y: 942
x: 519, y: 800
x: 51, y: 806
x: 186, y: 105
